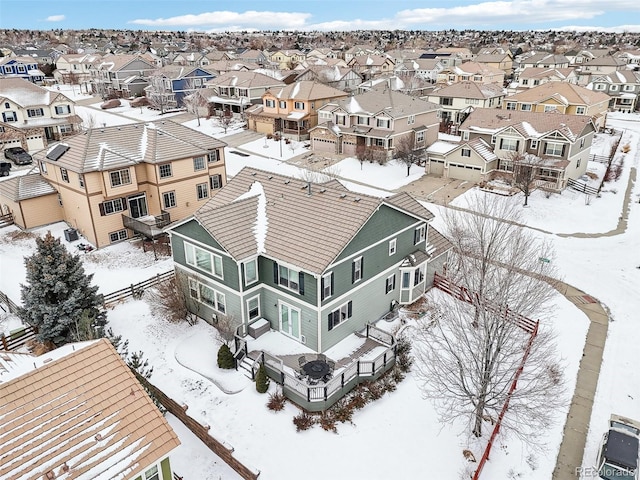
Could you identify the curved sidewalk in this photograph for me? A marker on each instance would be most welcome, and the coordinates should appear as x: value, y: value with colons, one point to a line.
x: 579, y: 415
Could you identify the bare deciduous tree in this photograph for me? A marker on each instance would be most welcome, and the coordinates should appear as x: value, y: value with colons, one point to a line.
x: 171, y: 298
x: 525, y: 171
x: 226, y: 328
x: 467, y: 360
x: 196, y: 101
x: 406, y: 153
x: 159, y: 92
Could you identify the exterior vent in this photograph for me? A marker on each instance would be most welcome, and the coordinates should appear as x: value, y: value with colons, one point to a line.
x: 357, y: 199
x: 344, y: 195
x: 286, y: 182
x: 303, y: 339
x: 322, y: 190
x: 214, y: 318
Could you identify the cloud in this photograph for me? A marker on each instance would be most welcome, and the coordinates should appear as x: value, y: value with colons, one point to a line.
x: 517, y: 14
x: 249, y: 19
x: 55, y: 18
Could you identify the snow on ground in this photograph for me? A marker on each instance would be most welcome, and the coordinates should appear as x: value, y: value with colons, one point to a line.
x: 391, y: 176
x: 268, y: 147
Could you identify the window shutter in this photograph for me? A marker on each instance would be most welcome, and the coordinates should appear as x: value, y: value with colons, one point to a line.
x: 330, y: 318
x: 393, y: 283
x: 501, y: 142
x: 301, y: 283
x: 331, y: 284
x: 321, y: 288
x: 563, y: 149
x: 353, y: 272
x: 276, y: 274
x: 124, y: 203
x: 517, y: 145
x: 349, y: 309
x: 362, y: 267
x: 415, y: 236
x: 101, y: 207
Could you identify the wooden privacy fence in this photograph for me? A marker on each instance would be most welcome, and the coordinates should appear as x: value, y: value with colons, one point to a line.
x: 6, y: 219
x: 17, y: 338
x: 528, y: 325
x: 135, y: 290
x: 225, y: 452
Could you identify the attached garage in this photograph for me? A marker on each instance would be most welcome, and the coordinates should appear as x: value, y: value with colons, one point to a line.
x: 436, y: 166
x: 264, y: 127
x: 349, y: 148
x: 471, y: 173
x: 323, y: 145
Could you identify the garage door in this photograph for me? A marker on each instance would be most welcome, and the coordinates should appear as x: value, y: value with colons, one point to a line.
x: 468, y: 172
x: 436, y: 167
x: 349, y: 148
x: 322, y: 145
x: 263, y: 127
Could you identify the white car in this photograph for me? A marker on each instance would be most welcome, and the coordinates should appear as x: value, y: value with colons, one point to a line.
x: 620, y: 450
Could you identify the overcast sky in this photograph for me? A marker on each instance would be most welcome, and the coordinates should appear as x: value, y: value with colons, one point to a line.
x: 210, y: 15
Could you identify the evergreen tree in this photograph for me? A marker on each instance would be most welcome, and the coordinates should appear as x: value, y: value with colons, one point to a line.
x: 58, y: 296
x: 225, y: 357
x: 262, y: 381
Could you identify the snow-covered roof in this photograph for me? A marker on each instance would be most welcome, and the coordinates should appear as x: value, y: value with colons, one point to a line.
x: 79, y: 412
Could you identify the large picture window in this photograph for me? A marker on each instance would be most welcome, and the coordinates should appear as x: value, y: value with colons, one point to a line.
x: 340, y: 315
x: 251, y: 271
x: 554, y: 149
x: 288, y: 278
x: 120, y: 177
x: 203, y: 260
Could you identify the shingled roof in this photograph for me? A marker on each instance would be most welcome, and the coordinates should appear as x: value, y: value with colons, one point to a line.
x: 106, y: 148
x: 291, y: 220
x: 25, y: 186
x: 79, y: 413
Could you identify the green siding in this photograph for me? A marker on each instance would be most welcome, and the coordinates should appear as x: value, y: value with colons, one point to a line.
x: 229, y: 266
x: 382, y: 224
x: 369, y: 304
x: 193, y: 230
x: 265, y: 272
x: 166, y: 469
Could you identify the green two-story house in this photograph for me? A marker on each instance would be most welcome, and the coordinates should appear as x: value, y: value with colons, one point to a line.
x: 315, y: 260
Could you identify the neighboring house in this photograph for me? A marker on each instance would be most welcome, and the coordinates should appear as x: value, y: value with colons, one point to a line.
x: 224, y: 66
x: 463, y: 53
x: 371, y: 66
x: 121, y: 76
x: 322, y: 53
x: 79, y: 412
x: 473, y: 72
x: 174, y: 83
x: 502, y: 61
x: 115, y: 182
x: 253, y: 56
x: 544, y: 60
x: 31, y: 139
x: 622, y: 86
x: 425, y: 68
x: 29, y: 107
x: 341, y: 78
x: 25, y: 68
x: 561, y: 97
x: 360, y: 50
x: 400, y: 56
x: 374, y: 120
x: 458, y: 100
x: 411, y: 85
x: 291, y: 110
x: 559, y: 143
x: 75, y: 69
x: 235, y: 91
x: 188, y: 59
x: 36, y: 55
x: 261, y: 248
x: 602, y: 66
x: 585, y: 56
x: 630, y: 57
x: 533, y: 76
x: 286, y: 59
x: 472, y: 161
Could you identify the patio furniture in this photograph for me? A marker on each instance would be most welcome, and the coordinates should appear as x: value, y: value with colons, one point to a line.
x: 302, y: 360
x: 332, y: 365
x: 322, y: 357
x: 316, y: 369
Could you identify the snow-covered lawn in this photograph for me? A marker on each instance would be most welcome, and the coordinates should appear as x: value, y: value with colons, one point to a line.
x: 390, y: 176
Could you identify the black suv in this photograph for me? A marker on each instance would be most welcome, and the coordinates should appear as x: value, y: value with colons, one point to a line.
x: 18, y: 155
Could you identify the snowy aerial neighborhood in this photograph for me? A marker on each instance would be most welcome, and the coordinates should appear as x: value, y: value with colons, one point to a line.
x: 286, y: 257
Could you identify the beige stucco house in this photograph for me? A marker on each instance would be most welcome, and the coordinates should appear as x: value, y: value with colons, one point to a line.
x: 291, y: 110
x: 116, y: 182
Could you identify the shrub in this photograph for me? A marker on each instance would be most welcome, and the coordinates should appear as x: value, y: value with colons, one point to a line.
x: 328, y: 422
x: 303, y: 421
x: 262, y: 381
x: 397, y: 374
x: 342, y: 411
x: 276, y: 401
x: 373, y: 390
x: 225, y: 357
x: 404, y: 360
x: 358, y: 400
x: 388, y: 383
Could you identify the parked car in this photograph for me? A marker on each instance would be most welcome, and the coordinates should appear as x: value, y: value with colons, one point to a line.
x: 4, y: 169
x: 139, y: 102
x: 620, y: 450
x: 113, y: 103
x: 19, y: 155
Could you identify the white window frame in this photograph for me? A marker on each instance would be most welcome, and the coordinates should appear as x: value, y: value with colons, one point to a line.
x: 118, y: 236
x: 411, y: 119
x: 81, y: 180
x: 421, y: 234
x: 165, y: 170
x: 218, y: 299
x: 292, y: 277
x: 419, y: 275
x: 534, y: 144
x: 298, y: 105
x: 511, y: 105
x: 465, y: 152
x: 113, y: 206
x: 342, y: 314
x: 357, y: 269
x: 199, y: 164
x: 393, y: 246
x: 390, y: 284
x: 64, y: 174
x: 249, y: 309
x: 327, y: 290
x: 551, y: 149
x: 202, y: 191
x: 420, y: 137
x: 269, y: 103
x: 122, y: 177
x: 191, y: 253
x: 62, y: 109
x: 169, y: 199
x: 152, y: 473
x: 507, y: 143
x: 526, y: 107
x: 581, y: 110
x: 247, y: 279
